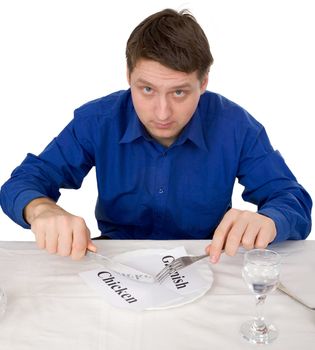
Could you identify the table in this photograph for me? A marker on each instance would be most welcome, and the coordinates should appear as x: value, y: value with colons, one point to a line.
x: 50, y: 307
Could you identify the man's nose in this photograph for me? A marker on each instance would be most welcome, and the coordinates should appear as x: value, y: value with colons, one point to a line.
x: 163, y: 108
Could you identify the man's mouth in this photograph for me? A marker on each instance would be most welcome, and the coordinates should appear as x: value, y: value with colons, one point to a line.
x: 163, y: 125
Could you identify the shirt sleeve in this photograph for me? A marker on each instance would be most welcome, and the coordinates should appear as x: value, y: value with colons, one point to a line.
x: 63, y: 164
x: 270, y: 185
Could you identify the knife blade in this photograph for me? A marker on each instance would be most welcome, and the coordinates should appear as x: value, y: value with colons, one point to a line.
x: 121, y: 269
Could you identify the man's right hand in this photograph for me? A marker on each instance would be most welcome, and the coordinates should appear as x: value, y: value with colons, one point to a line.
x: 56, y: 230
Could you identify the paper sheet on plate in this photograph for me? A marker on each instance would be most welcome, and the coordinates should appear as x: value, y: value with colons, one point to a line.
x: 123, y: 292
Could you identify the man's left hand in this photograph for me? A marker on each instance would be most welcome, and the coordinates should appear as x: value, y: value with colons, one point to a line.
x: 241, y: 228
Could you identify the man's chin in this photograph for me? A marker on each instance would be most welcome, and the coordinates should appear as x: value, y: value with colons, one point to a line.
x: 165, y: 139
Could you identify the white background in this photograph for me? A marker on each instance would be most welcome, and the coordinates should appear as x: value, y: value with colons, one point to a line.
x: 58, y: 54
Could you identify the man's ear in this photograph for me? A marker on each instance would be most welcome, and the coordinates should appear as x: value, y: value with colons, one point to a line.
x: 204, y: 83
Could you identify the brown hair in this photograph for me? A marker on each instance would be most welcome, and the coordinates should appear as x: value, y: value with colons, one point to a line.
x: 174, y: 39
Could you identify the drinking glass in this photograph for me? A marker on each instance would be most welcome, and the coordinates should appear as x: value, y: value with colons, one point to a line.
x: 261, y: 272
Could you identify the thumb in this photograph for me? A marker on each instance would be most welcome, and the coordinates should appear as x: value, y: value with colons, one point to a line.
x: 91, y: 246
x: 213, y: 252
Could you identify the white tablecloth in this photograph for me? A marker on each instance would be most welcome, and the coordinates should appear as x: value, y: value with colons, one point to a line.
x: 51, y: 308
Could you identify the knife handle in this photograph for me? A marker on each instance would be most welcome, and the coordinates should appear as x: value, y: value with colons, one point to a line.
x: 284, y: 290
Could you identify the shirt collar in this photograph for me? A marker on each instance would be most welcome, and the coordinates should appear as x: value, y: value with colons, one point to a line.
x: 134, y: 129
x: 192, y: 131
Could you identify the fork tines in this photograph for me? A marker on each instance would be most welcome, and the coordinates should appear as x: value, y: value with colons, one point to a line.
x: 168, y: 270
x: 164, y: 273
x: 177, y: 265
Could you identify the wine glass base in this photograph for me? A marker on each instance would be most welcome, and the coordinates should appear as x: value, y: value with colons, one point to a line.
x: 266, y: 336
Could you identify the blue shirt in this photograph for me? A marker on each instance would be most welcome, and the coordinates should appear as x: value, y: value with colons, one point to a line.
x: 148, y: 191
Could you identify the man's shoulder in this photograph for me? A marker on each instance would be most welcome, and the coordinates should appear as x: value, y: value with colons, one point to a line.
x: 219, y: 103
x: 104, y: 107
x: 216, y: 106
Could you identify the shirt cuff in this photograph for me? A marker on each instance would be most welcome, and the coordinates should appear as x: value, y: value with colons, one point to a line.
x: 21, y: 202
x: 282, y: 224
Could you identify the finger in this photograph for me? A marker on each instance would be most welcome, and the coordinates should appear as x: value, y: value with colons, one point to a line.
x: 249, y: 237
x: 264, y: 237
x: 51, y: 240
x: 39, y: 233
x: 81, y: 236
x: 219, y: 237
x: 235, y: 236
x: 216, y: 246
x: 65, y: 242
x: 91, y: 246
x: 40, y: 239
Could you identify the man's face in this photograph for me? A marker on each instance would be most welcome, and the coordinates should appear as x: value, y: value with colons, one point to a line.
x: 164, y: 99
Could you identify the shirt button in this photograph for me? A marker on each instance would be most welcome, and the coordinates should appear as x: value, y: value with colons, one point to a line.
x: 161, y: 190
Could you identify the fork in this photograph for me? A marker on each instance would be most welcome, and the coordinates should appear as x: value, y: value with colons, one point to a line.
x: 177, y: 265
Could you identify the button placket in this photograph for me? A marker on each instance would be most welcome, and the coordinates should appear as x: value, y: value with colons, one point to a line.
x: 161, y: 183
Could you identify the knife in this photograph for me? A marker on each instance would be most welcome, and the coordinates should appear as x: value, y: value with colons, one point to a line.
x: 283, y: 289
x: 121, y: 269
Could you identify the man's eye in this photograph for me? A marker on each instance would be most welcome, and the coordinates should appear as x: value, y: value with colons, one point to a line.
x: 147, y: 90
x: 179, y: 93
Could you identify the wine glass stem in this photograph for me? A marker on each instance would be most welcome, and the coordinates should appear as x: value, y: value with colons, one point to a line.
x: 259, y: 323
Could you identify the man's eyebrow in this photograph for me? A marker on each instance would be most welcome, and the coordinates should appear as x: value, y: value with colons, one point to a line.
x: 182, y: 86
x: 144, y: 82
x: 176, y: 87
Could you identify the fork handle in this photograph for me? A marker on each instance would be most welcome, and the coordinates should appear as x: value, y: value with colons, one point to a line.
x: 199, y: 257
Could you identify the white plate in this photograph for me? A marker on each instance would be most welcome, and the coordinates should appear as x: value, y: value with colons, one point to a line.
x: 200, y: 274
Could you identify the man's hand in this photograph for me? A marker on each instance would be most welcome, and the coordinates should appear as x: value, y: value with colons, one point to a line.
x: 241, y: 227
x: 56, y: 230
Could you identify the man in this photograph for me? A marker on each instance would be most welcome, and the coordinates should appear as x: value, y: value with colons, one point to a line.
x: 167, y: 153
